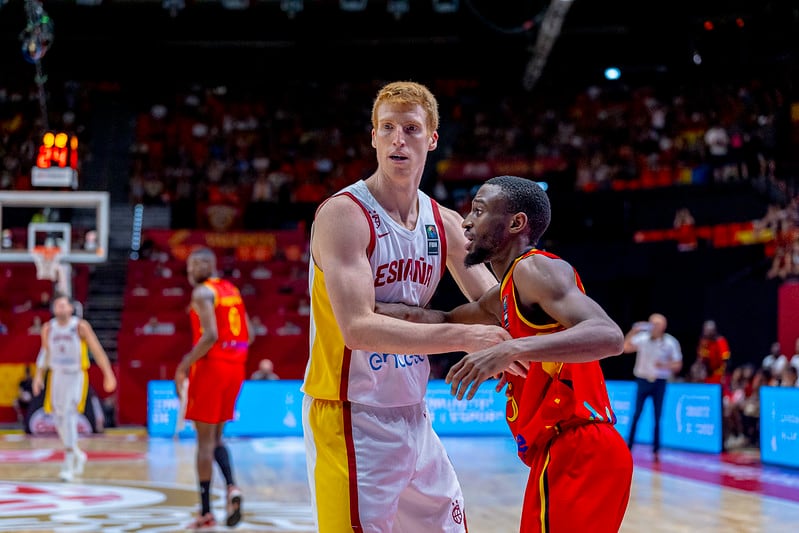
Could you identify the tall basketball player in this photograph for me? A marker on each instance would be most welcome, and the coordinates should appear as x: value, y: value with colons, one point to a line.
x: 559, y: 414
x: 215, y: 368
x: 66, y: 343
x: 374, y: 462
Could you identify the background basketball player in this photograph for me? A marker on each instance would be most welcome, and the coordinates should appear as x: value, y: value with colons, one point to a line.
x: 65, y: 339
x: 215, y: 367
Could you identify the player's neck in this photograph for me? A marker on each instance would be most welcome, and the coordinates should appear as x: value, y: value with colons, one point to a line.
x: 397, y: 197
x: 63, y: 321
x: 502, y: 260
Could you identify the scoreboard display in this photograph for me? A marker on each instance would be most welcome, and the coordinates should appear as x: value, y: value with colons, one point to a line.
x: 56, y: 161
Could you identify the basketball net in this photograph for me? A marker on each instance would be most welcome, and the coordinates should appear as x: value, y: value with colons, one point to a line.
x: 48, y: 266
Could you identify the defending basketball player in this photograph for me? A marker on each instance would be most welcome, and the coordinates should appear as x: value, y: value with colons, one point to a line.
x: 215, y: 368
x: 374, y: 462
x: 559, y: 414
x: 66, y: 343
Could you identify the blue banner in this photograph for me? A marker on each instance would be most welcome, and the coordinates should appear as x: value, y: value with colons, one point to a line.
x: 691, y: 412
x: 779, y: 425
x: 263, y: 408
x: 691, y: 418
x: 274, y: 408
x: 482, y: 415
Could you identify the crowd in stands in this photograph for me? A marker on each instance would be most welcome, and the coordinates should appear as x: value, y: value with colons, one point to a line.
x: 218, y: 147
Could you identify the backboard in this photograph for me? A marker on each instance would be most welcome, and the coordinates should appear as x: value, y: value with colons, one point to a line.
x: 77, y: 221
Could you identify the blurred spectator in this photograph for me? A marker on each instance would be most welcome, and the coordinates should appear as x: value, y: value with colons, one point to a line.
x: 258, y: 327
x: 24, y: 395
x: 685, y: 226
x: 266, y: 371
x: 36, y: 326
x: 733, y: 400
x: 714, y: 351
x: 789, y: 376
x: 155, y: 327
x: 3, y: 328
x: 775, y: 361
x: 794, y: 362
x: 750, y: 407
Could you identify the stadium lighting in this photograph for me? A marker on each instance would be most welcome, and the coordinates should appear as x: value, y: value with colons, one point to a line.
x: 612, y: 73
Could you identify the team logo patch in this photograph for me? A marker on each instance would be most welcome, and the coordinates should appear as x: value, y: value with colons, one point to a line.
x: 432, y: 239
x: 505, y: 320
x: 457, y: 513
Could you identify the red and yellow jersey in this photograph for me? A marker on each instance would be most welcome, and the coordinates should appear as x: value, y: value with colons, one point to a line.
x: 554, y: 396
x: 231, y: 322
x: 715, y: 353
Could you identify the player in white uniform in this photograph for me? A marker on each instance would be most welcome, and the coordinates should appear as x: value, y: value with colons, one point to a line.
x: 65, y: 339
x: 374, y: 462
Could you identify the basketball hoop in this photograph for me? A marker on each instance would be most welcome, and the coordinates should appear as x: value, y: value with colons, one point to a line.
x: 47, y: 260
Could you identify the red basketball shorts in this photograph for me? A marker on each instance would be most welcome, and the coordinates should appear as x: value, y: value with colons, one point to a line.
x: 581, y: 482
x: 214, y: 387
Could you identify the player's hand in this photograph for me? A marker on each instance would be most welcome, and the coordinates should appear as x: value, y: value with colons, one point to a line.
x: 37, y: 385
x: 109, y: 382
x: 482, y: 336
x: 180, y: 376
x: 475, y: 368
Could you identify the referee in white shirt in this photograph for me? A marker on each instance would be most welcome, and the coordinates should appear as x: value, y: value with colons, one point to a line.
x: 658, y: 359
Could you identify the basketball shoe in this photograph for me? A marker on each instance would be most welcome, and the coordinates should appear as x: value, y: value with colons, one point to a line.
x: 203, y: 522
x: 233, y: 506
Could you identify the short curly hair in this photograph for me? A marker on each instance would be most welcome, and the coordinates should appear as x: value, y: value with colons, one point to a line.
x: 526, y: 196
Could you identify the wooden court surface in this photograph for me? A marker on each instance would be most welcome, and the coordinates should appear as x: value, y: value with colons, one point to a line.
x: 134, y: 483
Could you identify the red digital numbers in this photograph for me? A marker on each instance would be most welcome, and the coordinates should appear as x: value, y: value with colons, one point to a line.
x: 58, y: 149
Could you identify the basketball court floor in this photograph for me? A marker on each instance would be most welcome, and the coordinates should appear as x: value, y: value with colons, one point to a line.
x: 136, y: 483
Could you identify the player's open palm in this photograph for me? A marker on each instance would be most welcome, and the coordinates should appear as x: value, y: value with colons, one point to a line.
x: 475, y: 368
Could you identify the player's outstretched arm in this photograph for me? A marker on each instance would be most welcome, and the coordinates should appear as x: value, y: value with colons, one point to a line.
x: 590, y: 333
x: 87, y: 333
x: 486, y: 310
x: 339, y: 244
x: 43, y: 364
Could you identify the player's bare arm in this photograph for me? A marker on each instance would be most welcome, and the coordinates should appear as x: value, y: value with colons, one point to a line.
x: 486, y: 310
x: 339, y: 243
x: 202, y: 301
x: 250, y: 330
x: 473, y: 281
x: 590, y: 333
x: 38, y: 377
x: 88, y: 335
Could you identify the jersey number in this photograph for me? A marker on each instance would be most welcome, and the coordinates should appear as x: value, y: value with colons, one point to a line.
x: 234, y: 321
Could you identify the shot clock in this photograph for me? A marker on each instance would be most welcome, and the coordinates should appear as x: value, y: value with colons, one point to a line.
x: 56, y: 161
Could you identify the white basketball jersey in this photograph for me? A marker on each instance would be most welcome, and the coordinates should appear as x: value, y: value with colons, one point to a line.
x: 407, y: 266
x: 67, y: 349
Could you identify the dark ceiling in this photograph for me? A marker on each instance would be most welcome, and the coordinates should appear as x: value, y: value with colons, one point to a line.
x: 489, y: 39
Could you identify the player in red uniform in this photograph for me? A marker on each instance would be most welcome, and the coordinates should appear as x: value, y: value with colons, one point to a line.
x: 215, y: 368
x: 559, y: 414
x: 714, y: 351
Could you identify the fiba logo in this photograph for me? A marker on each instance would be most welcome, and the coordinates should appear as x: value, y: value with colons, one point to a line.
x: 376, y: 219
x: 457, y: 513
x: 505, y: 321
